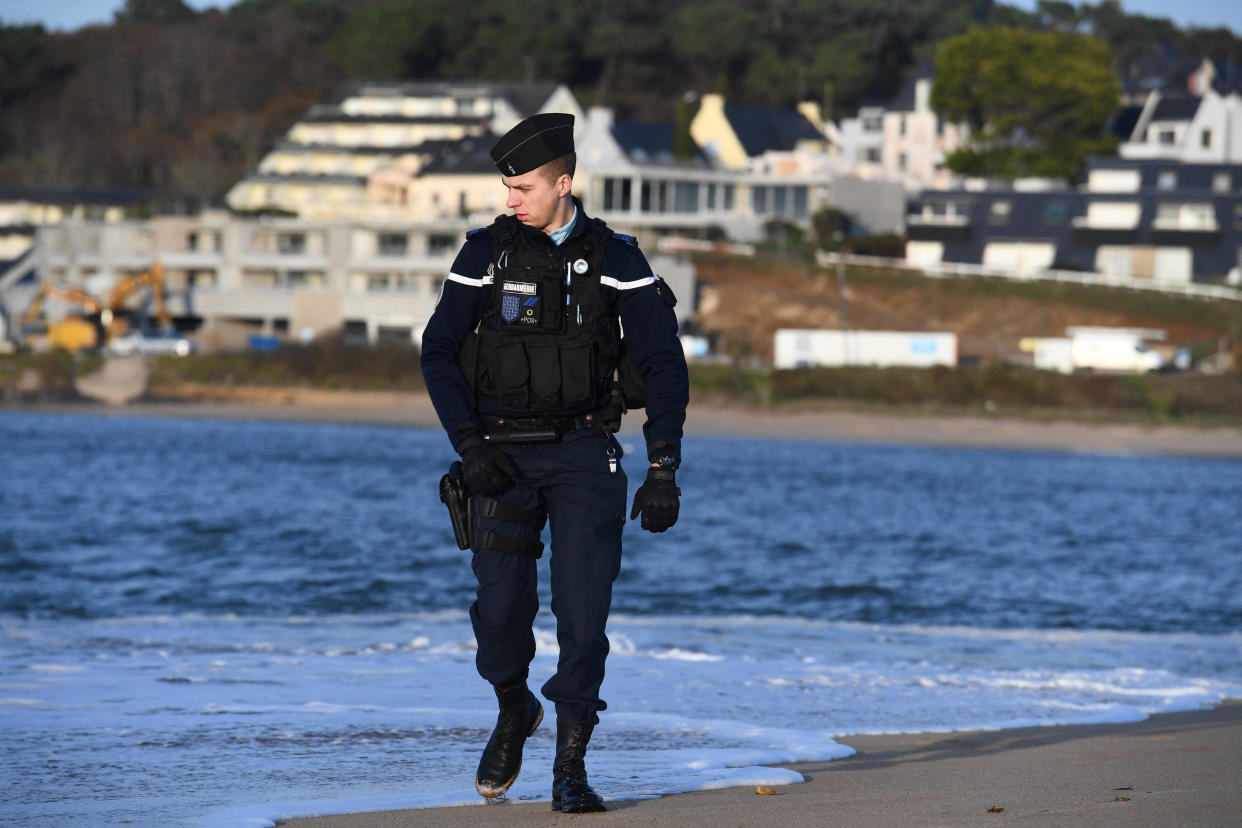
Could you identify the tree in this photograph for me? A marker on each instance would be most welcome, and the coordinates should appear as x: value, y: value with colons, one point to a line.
x: 831, y: 228
x: 684, y: 148
x: 1037, y: 103
x: 153, y: 11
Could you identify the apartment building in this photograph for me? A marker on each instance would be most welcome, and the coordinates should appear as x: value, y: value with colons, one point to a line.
x: 320, y: 170
x: 1165, y: 221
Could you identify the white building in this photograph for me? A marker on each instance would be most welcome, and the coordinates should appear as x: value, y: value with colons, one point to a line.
x: 903, y: 139
x: 1194, y: 130
x: 320, y: 170
x: 228, y: 279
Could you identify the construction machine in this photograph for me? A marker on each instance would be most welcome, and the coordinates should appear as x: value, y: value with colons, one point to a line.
x: 116, y: 315
x: 73, y: 333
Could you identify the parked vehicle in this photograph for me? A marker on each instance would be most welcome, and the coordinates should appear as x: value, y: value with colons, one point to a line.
x: 806, y: 348
x: 1117, y: 350
x: 138, y: 344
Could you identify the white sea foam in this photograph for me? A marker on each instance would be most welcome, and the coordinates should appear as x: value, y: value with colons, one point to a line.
x: 217, y: 715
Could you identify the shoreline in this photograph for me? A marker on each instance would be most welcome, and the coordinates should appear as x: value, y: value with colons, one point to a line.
x: 1168, y: 769
x: 413, y: 410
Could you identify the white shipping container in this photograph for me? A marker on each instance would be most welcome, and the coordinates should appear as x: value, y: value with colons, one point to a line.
x: 806, y: 348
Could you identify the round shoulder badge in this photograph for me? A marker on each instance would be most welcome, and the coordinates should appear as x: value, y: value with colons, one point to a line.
x: 581, y: 267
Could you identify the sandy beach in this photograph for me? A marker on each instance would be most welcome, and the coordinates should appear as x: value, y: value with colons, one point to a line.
x: 1178, y: 769
x: 896, y: 427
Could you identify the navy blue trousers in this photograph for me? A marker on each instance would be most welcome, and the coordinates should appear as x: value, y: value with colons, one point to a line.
x: 585, y: 504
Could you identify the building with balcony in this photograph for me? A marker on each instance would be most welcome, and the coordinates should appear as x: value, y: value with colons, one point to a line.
x: 630, y: 178
x: 1161, y: 220
x: 227, y: 279
x: 321, y: 170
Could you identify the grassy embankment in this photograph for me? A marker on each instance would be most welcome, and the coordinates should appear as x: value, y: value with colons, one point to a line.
x: 753, y: 297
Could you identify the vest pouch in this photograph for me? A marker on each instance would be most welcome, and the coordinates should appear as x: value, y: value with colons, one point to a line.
x: 576, y: 375
x: 545, y: 376
x: 512, y: 376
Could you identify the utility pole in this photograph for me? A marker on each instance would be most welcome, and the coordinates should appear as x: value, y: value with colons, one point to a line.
x: 839, y: 238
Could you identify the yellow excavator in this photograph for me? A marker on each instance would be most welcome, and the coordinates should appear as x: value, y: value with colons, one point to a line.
x: 100, y: 321
x: 116, y: 314
x: 73, y: 333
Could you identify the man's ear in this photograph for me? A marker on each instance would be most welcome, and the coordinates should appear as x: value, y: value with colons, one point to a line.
x: 564, y: 185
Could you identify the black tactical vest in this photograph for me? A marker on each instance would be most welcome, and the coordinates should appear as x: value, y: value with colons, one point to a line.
x: 547, y: 341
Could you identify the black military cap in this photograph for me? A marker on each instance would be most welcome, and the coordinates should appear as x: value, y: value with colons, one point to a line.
x: 534, y: 142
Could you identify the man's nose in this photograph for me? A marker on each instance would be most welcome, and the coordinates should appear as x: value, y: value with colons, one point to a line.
x: 512, y: 200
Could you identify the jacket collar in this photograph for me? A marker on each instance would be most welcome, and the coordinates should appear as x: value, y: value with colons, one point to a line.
x: 542, y: 241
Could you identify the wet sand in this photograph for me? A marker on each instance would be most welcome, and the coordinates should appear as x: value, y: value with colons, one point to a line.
x: 414, y: 410
x: 1177, y: 769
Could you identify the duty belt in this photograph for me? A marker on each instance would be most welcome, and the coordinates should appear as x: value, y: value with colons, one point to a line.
x: 535, y: 429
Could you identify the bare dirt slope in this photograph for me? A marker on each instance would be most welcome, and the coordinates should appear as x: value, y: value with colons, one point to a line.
x: 745, y: 302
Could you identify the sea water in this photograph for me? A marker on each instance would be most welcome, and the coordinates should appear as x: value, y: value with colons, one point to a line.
x: 225, y: 623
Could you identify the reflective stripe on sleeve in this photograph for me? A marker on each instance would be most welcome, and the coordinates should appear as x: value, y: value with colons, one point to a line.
x: 619, y: 285
x: 468, y: 282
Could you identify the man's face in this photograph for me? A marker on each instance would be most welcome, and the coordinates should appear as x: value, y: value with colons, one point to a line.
x: 535, y: 199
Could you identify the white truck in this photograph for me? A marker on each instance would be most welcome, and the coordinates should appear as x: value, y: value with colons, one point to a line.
x: 797, y: 348
x: 1116, y: 350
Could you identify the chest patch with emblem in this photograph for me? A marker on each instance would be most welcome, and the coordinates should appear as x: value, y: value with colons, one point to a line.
x: 519, y: 303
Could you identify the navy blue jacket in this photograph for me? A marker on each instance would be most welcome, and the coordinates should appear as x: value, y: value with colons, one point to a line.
x: 627, y: 285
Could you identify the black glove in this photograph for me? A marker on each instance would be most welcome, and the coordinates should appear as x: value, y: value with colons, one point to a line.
x: 657, y: 500
x: 486, y: 469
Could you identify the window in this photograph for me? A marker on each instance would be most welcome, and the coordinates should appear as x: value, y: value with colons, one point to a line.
x: 393, y: 244
x: 872, y: 123
x: 1222, y: 182
x: 759, y: 200
x: 685, y: 197
x: 901, y: 125
x: 377, y: 283
x: 779, y: 197
x: 655, y: 197
x: 728, y: 197
x: 1166, y: 180
x: 291, y: 244
x: 711, y: 196
x: 441, y: 244
x: 1054, y: 213
x: 1195, y: 216
x: 799, y: 202
x: 870, y: 155
x: 1205, y: 139
x: 392, y: 334
x: 901, y: 160
x: 998, y: 211
x: 617, y: 194
x: 1167, y: 137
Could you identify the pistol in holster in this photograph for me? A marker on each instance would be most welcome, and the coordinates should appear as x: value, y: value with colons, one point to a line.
x: 454, y: 495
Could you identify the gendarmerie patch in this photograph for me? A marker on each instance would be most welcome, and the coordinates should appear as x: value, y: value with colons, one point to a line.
x: 519, y: 303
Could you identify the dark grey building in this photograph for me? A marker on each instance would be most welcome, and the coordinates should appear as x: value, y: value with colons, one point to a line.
x: 1146, y: 219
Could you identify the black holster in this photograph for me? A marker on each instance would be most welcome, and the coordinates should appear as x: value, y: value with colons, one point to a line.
x: 453, y: 494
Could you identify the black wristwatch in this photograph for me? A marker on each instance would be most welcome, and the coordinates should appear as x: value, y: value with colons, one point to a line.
x: 665, y: 461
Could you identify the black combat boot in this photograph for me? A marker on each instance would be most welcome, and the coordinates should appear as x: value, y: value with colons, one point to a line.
x: 520, y: 714
x: 571, y: 793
